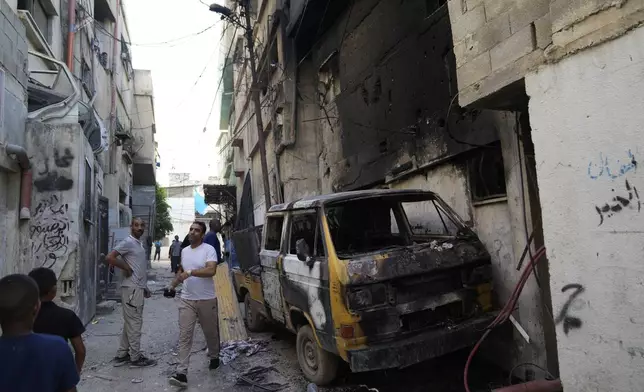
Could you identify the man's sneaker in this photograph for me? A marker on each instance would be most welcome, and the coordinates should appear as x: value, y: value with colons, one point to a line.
x: 143, y: 362
x: 214, y: 364
x: 179, y: 380
x: 120, y: 361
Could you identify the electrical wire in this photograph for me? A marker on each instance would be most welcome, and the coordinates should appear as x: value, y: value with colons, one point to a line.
x: 153, y: 44
x: 505, y: 313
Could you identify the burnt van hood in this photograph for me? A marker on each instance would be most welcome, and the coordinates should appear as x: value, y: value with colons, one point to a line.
x: 423, y: 258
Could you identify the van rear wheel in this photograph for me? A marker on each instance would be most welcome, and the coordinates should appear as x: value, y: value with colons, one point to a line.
x: 319, y: 366
x: 254, y: 321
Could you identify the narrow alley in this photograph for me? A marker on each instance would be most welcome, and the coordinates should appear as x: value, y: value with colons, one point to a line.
x: 160, y: 333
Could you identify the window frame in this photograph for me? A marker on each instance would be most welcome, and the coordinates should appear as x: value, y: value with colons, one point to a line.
x: 265, y: 233
x: 479, y: 158
x: 318, y: 235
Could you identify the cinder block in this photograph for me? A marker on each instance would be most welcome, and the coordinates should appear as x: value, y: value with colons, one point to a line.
x: 513, y: 48
x: 474, y: 70
x: 11, y: 32
x: 543, y: 31
x: 467, y: 23
x: 494, y: 8
x: 488, y: 36
x: 526, y: 12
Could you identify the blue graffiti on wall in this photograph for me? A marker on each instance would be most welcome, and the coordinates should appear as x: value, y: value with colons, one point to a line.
x: 607, y: 169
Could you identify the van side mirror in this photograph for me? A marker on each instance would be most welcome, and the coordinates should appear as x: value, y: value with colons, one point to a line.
x: 303, y: 250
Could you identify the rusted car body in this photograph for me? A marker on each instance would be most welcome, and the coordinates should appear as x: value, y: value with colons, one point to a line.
x: 379, y: 278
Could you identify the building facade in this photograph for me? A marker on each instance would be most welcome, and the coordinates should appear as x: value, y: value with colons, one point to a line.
x: 69, y: 140
x: 522, y: 115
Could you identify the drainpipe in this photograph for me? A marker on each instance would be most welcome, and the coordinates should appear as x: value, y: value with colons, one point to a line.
x: 26, y: 180
x: 534, y: 386
x: 115, y: 47
x: 71, y: 14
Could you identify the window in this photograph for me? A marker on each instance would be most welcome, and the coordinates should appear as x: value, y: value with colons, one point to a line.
x: 306, y: 227
x: 487, y: 174
x: 42, y: 11
x: 366, y: 225
x: 429, y: 218
x: 87, y: 78
x: 126, y: 59
x: 88, y: 191
x: 329, y: 76
x: 274, y: 226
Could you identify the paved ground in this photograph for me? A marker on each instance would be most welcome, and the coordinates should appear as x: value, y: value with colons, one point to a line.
x: 160, y: 334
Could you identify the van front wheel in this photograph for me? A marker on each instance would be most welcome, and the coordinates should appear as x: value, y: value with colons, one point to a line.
x: 319, y: 366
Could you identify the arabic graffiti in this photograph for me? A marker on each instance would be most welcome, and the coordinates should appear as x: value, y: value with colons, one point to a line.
x: 49, y: 231
x: 607, y: 169
x: 619, y: 203
x: 570, y: 322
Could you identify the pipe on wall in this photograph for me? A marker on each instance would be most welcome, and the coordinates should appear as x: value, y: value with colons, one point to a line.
x: 71, y: 14
x: 26, y: 182
x: 534, y: 386
x: 115, y: 55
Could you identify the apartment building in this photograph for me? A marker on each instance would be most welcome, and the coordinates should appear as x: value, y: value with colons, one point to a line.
x: 74, y: 143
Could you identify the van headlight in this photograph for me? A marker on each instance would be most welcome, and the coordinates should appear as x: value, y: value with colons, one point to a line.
x: 363, y: 297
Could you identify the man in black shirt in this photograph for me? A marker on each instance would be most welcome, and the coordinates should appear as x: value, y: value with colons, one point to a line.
x: 54, y: 320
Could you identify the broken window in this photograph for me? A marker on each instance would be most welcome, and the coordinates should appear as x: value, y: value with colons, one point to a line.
x: 487, y: 174
x: 87, y: 78
x: 306, y: 227
x: 366, y: 225
x: 274, y: 226
x: 88, y: 192
x: 329, y: 76
x: 429, y: 218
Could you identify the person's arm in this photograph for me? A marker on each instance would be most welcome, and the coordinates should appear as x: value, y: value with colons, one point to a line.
x: 114, y: 259
x: 217, y: 247
x: 75, y: 331
x: 68, y: 376
x: 79, y: 352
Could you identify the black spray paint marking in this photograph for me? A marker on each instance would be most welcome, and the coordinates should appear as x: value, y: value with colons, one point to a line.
x: 570, y: 322
x: 631, y: 200
x: 52, y: 180
x: 49, y: 231
x: 65, y: 160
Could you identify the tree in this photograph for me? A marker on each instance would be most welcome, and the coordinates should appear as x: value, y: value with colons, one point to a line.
x: 162, y: 221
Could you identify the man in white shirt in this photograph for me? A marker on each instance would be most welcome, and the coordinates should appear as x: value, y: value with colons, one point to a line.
x: 198, y: 301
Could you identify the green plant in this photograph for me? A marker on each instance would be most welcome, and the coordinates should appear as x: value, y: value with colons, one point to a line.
x: 162, y: 221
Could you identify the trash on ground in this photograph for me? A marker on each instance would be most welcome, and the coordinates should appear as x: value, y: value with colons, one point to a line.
x: 137, y: 380
x: 234, y: 348
x: 256, y: 378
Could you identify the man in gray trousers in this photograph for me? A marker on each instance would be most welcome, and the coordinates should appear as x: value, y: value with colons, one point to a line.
x: 130, y: 255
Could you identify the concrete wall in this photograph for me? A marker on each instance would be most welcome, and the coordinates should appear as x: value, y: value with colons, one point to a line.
x: 496, y: 42
x: 12, y: 130
x: 61, y: 235
x: 586, y: 115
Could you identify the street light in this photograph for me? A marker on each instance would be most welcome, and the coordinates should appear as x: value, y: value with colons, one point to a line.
x: 229, y: 14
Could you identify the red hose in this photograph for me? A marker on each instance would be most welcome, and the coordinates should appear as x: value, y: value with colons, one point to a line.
x: 505, y: 313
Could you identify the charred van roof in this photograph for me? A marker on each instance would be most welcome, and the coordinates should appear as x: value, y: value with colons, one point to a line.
x: 321, y: 200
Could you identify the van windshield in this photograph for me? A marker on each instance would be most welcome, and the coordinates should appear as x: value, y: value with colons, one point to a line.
x: 373, y: 224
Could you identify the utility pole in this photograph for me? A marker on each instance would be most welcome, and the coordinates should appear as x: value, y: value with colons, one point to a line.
x: 261, y: 144
x: 248, y: 29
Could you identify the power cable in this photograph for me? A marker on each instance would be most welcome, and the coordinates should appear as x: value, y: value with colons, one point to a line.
x: 153, y: 44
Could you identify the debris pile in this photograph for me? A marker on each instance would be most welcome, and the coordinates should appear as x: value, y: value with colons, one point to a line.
x: 234, y: 348
x: 256, y: 378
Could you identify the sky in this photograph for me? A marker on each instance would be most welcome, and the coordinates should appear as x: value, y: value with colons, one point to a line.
x: 185, y: 72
